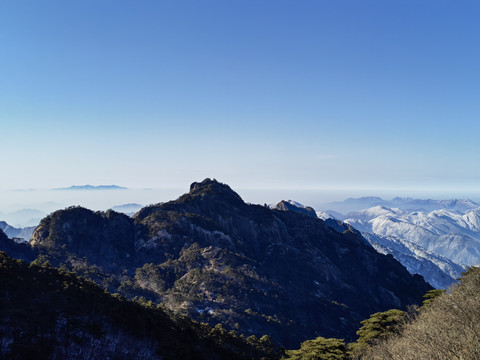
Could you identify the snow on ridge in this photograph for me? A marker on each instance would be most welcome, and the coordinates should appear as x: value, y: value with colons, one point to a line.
x: 450, y: 233
x: 324, y: 215
x: 439, y: 271
x: 403, y: 203
x: 436, y: 238
x: 373, y: 212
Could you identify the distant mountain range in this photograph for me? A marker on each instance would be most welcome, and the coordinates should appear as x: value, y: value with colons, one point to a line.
x: 92, y: 187
x: 435, y: 238
x: 212, y: 257
x: 437, y: 244
x: 407, y: 204
x: 23, y: 218
x: 449, y: 233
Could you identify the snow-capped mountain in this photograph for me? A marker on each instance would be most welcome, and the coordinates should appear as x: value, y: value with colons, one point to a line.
x: 410, y: 204
x: 324, y: 215
x: 439, y: 271
x: 437, y: 244
x: 449, y: 233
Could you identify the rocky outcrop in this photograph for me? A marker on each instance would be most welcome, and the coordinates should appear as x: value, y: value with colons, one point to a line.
x: 104, y: 238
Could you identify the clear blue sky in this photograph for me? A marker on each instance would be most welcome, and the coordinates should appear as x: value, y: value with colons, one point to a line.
x: 258, y: 94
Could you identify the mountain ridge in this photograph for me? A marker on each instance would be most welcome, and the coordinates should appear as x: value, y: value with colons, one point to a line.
x: 439, y: 244
x: 437, y: 231
x: 211, y: 256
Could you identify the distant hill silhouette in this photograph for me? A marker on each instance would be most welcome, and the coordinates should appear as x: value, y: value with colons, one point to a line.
x: 92, y: 187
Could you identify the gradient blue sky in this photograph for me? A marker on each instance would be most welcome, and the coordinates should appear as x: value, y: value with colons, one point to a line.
x: 364, y: 95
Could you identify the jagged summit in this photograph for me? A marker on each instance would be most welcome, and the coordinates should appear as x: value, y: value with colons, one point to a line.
x: 198, y: 186
x: 210, y: 185
x: 211, y: 188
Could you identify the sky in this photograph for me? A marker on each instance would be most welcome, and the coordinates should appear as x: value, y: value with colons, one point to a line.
x: 335, y: 96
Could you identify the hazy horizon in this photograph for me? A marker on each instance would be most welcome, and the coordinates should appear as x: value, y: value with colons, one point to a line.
x: 48, y: 200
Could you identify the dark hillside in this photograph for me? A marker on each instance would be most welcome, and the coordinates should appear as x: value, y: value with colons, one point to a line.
x: 447, y: 327
x: 51, y: 314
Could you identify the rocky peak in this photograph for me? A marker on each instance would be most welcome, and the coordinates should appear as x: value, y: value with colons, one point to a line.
x: 198, y: 186
x: 212, y: 189
x: 292, y: 206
